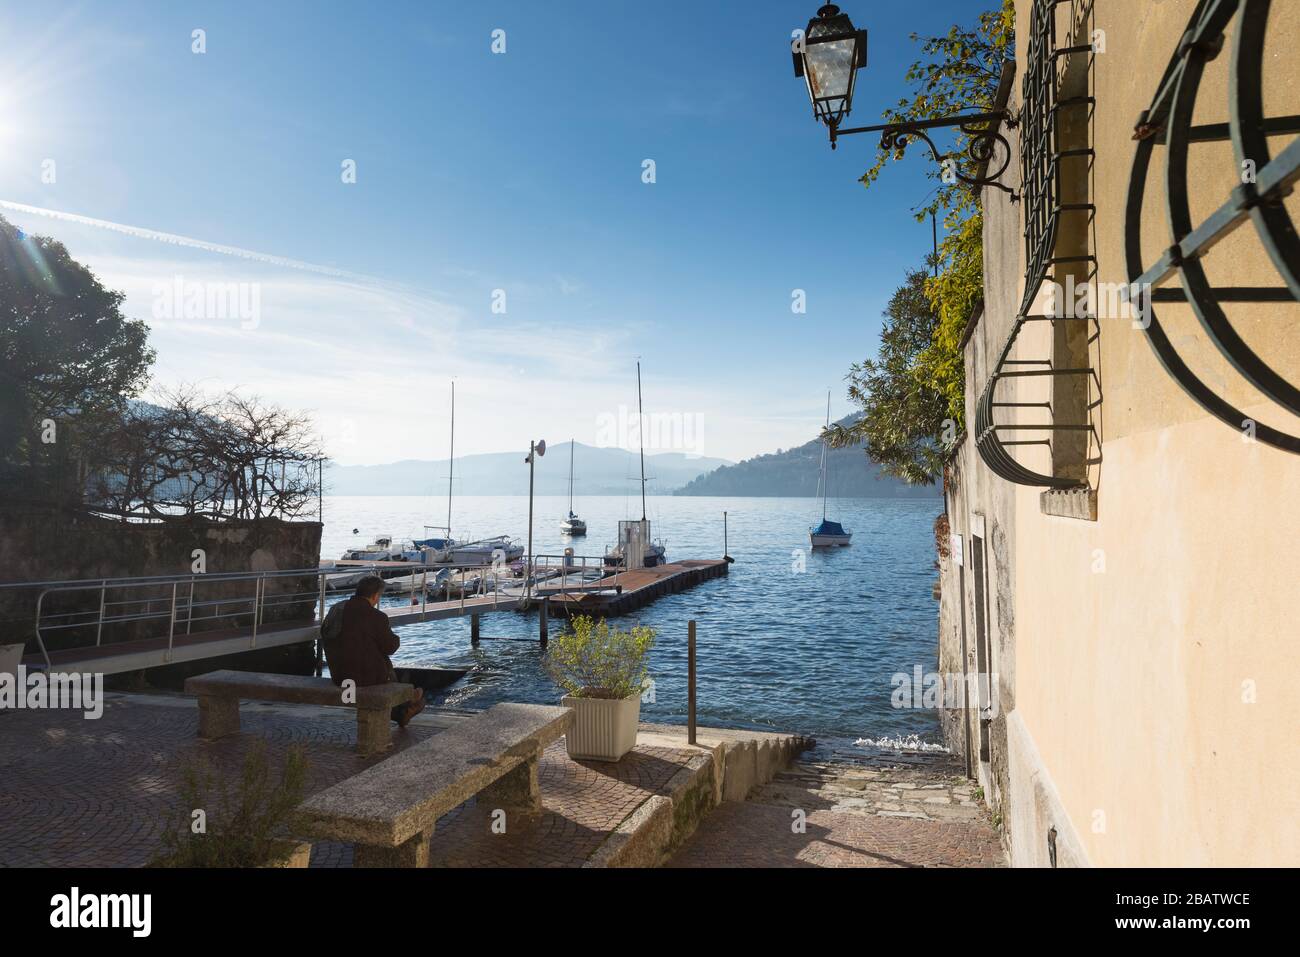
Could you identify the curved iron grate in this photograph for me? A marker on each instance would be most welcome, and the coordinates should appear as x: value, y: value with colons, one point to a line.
x: 1169, y: 123
x: 1041, y: 157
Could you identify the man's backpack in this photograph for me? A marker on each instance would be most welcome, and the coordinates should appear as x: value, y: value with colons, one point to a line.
x: 332, y: 627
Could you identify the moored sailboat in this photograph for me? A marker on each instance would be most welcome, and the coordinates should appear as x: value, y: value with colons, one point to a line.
x: 572, y: 526
x: 634, y: 536
x: 828, y: 534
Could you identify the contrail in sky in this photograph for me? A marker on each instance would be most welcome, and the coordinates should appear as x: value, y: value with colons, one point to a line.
x: 175, y: 240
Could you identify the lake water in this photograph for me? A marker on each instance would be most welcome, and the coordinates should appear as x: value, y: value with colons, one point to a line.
x: 790, y: 640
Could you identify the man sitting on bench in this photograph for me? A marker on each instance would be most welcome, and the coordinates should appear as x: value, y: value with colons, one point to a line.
x: 358, y: 639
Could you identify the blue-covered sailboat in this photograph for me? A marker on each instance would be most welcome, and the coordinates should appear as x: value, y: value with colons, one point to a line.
x: 828, y: 534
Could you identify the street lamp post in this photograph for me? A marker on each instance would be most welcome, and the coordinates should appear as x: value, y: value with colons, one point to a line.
x: 534, y: 450
x: 828, y: 55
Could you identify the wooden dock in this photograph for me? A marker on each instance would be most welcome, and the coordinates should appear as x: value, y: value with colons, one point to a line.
x: 399, y: 615
x: 627, y: 591
x: 615, y: 594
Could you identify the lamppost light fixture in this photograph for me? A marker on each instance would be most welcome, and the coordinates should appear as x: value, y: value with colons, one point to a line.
x: 828, y: 57
x: 534, y: 450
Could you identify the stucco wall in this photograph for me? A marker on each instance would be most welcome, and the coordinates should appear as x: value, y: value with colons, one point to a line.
x: 1154, y: 649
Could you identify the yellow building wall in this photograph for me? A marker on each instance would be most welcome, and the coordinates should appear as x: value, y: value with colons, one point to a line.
x: 1158, y: 649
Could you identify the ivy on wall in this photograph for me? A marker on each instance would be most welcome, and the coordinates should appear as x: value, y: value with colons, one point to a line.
x: 959, y: 72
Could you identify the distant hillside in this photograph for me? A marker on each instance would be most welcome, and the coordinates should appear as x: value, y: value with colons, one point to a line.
x: 596, y: 471
x: 794, y: 473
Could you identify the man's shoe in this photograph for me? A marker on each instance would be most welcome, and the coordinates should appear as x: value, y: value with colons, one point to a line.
x: 412, y: 709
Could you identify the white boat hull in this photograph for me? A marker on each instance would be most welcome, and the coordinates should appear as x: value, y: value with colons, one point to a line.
x: 485, y: 554
x: 830, y: 541
x: 344, y: 580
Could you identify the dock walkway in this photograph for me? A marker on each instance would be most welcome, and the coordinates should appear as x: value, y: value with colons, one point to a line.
x: 627, y: 591
x: 616, y: 594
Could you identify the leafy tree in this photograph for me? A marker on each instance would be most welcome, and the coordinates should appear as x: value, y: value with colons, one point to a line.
x: 67, y: 355
x: 904, y: 413
x: 959, y: 73
x: 70, y: 434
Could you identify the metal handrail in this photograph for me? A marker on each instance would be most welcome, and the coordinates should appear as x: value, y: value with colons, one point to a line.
x: 178, y: 610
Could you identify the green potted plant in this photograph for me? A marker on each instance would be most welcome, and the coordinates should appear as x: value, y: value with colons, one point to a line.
x: 241, y: 826
x: 604, y: 671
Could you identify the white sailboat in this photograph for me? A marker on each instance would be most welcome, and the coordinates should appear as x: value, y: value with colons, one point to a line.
x: 634, y: 536
x: 828, y: 534
x: 438, y: 548
x: 445, y: 549
x: 572, y: 526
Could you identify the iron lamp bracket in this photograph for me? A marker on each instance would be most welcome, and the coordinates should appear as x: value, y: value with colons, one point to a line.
x: 982, y: 150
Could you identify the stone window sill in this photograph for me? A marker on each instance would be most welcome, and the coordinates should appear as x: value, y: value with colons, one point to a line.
x: 1080, y: 504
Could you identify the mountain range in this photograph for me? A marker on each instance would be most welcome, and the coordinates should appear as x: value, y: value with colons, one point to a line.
x: 614, y: 471
x: 794, y: 473
x: 596, y: 470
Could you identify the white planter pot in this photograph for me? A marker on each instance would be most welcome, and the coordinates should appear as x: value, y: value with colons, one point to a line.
x: 603, y: 729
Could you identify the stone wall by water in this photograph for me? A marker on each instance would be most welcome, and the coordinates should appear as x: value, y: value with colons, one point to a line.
x: 49, y: 545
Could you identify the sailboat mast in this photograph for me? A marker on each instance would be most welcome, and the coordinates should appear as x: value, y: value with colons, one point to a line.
x: 825, y: 475
x: 451, y: 456
x: 570, y: 476
x: 640, y: 429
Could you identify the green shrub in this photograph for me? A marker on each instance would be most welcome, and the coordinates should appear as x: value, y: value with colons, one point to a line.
x: 592, y: 660
x: 243, y: 822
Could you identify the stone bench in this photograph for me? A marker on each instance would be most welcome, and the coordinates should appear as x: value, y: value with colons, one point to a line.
x: 219, y: 693
x: 389, y: 810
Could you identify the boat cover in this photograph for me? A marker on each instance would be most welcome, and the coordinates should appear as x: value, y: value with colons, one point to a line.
x: 827, y: 527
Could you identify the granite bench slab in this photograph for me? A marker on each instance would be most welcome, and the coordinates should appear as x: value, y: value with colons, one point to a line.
x: 219, y: 693
x: 389, y: 810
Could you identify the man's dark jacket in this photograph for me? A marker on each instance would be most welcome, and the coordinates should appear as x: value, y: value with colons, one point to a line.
x: 361, y: 650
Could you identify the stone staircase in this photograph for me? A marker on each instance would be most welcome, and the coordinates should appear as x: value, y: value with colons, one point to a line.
x: 920, y: 793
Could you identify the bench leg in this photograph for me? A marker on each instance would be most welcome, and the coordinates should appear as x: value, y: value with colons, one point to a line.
x: 218, y: 716
x: 516, y: 791
x: 414, y: 853
x: 374, y: 734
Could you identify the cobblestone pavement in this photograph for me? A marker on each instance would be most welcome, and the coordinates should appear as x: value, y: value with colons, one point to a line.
x: 854, y: 816
x: 582, y: 801
x: 100, y: 793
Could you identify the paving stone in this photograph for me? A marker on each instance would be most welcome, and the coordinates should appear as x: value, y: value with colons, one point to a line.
x: 903, y: 816
x: 99, y: 793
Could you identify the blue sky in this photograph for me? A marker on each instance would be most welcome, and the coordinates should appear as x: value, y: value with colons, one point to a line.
x: 475, y: 172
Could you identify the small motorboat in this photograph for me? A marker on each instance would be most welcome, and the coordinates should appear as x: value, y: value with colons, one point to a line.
x: 432, y: 582
x: 486, y: 551
x: 435, y: 550
x: 339, y: 581
x: 380, y: 550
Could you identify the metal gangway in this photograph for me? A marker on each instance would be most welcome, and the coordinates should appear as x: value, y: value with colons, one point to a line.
x: 168, y: 619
